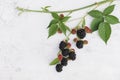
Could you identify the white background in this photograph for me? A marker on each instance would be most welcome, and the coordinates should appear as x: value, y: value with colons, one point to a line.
x: 25, y: 51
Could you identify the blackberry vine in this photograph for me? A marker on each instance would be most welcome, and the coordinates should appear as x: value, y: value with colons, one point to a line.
x: 101, y: 22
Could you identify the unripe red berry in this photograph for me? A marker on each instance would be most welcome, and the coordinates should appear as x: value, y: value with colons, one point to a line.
x: 61, y: 15
x: 85, y: 42
x: 60, y: 57
x: 88, y: 30
x: 75, y: 39
x: 73, y: 31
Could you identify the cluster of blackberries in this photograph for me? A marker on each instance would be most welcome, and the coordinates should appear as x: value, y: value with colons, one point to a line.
x: 81, y: 33
x: 66, y: 53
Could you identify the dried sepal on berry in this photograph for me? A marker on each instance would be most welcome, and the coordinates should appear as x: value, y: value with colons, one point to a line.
x: 85, y: 42
x: 59, y: 31
x: 75, y: 39
x: 73, y: 31
x: 88, y: 30
x: 68, y: 45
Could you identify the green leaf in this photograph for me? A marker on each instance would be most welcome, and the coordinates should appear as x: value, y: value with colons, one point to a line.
x: 55, y: 15
x: 109, y: 10
x: 55, y: 61
x: 83, y: 23
x: 95, y: 23
x: 62, y: 27
x: 54, y: 21
x: 112, y: 19
x: 104, y: 31
x: 52, y: 30
x: 67, y: 28
x: 95, y: 14
x: 65, y: 18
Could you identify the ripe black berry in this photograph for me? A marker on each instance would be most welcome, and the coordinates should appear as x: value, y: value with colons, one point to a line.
x: 59, y: 67
x: 72, y: 55
x: 81, y: 33
x: 65, y: 52
x: 64, y: 61
x: 79, y: 44
x: 62, y: 45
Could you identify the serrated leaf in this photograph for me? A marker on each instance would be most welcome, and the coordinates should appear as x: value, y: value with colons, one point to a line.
x: 54, y: 21
x: 55, y: 61
x: 65, y: 18
x: 112, y: 19
x: 62, y: 27
x: 95, y: 14
x: 95, y: 23
x: 68, y: 28
x: 104, y: 31
x: 52, y: 30
x: 55, y: 15
x: 109, y: 10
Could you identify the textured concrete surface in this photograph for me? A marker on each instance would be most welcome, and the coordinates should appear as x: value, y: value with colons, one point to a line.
x: 25, y: 51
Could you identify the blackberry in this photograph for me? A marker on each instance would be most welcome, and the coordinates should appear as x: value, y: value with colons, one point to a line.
x: 64, y: 61
x: 79, y: 44
x: 65, y: 52
x: 81, y: 33
x: 72, y: 55
x: 62, y: 45
x: 59, y: 67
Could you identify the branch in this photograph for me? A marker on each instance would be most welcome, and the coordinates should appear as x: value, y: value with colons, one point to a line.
x: 65, y: 11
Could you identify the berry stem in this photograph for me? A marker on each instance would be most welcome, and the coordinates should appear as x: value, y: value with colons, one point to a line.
x: 65, y: 11
x: 67, y: 37
x: 78, y: 26
x: 59, y: 52
x: 81, y: 21
x: 74, y: 19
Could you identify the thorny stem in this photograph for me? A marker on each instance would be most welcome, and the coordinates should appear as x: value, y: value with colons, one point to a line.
x: 66, y: 11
